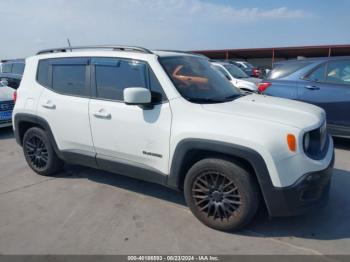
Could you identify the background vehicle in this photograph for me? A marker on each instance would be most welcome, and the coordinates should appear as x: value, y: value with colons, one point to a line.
x: 237, y: 76
x: 12, y: 71
x: 180, y: 124
x: 324, y: 82
x: 248, y: 68
x: 10, y: 79
x: 6, y: 104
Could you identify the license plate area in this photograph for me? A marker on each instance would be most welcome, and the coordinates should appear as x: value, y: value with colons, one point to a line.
x: 5, y: 115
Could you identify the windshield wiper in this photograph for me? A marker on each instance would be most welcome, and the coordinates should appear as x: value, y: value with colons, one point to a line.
x: 232, y: 97
x: 205, y: 100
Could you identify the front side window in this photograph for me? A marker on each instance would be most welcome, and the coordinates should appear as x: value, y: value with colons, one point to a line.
x: 318, y: 75
x: 18, y: 68
x: 338, y: 72
x: 113, y: 75
x: 197, y: 81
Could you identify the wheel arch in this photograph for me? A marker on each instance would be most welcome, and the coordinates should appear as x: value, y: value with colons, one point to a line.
x: 24, y: 121
x: 189, y: 151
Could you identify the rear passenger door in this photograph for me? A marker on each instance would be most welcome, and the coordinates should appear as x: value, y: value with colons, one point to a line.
x: 64, y: 102
x: 129, y: 134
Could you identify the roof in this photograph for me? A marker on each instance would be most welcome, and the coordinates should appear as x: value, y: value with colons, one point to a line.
x: 282, y: 52
x: 70, y: 51
x: 313, y: 59
x: 17, y: 60
x: 220, y: 63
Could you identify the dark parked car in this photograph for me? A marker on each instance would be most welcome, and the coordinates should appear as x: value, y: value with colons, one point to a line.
x: 324, y: 82
x: 12, y: 71
x: 10, y: 77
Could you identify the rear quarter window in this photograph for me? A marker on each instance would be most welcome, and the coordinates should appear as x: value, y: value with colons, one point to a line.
x: 283, y: 70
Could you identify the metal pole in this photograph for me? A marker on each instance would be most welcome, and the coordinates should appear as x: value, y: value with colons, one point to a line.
x: 69, y: 44
x: 273, y: 57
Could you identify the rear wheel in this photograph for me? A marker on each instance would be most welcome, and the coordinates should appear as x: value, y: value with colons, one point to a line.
x: 221, y: 194
x: 39, y: 152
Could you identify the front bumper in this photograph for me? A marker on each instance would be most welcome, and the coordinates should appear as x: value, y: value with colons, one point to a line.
x: 309, y: 193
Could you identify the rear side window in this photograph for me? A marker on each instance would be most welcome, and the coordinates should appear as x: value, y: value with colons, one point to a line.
x: 18, y: 68
x: 6, y: 68
x: 69, y: 79
x: 64, y: 75
x: 286, y: 69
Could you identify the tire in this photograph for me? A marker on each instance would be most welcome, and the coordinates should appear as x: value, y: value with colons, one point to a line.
x: 221, y: 194
x: 39, y: 153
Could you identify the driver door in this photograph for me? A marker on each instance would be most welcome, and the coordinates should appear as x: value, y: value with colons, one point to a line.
x: 124, y: 133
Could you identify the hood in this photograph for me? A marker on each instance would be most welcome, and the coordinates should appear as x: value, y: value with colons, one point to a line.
x: 278, y: 110
x: 253, y: 80
x: 6, y: 93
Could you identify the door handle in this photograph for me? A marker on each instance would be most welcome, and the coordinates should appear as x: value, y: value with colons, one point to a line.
x: 49, y: 105
x: 310, y: 87
x: 102, y: 114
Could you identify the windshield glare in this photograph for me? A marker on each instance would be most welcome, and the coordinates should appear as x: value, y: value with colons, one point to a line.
x: 197, y: 81
x: 235, y: 71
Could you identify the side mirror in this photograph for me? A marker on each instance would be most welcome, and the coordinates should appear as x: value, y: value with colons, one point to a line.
x: 137, y: 96
x: 4, y: 82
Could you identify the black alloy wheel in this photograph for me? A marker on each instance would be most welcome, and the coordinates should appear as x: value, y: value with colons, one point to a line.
x: 216, y: 195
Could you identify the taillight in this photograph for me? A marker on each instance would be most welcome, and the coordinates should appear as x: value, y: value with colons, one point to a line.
x: 263, y: 86
x: 15, y: 96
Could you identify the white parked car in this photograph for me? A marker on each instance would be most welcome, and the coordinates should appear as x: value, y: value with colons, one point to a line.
x: 237, y: 76
x: 170, y: 118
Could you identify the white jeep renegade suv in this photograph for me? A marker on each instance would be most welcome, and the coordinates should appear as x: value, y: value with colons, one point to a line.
x: 170, y: 118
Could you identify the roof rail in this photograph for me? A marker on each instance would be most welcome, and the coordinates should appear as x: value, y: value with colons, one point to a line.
x: 180, y: 51
x: 110, y: 47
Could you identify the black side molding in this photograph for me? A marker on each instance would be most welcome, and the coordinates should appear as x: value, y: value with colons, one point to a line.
x: 90, y: 159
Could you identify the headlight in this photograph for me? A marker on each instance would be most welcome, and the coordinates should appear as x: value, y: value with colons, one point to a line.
x: 307, y: 142
x: 315, y: 142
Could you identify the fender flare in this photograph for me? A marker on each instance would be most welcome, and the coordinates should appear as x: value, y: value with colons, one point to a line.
x: 231, y: 150
x: 37, y: 121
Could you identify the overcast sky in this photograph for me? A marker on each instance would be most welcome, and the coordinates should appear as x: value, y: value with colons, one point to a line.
x: 30, y: 25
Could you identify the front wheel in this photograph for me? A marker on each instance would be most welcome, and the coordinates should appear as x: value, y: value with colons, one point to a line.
x: 39, y: 153
x: 221, y: 194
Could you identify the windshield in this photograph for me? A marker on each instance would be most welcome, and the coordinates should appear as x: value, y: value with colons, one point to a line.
x: 197, y: 81
x: 247, y: 65
x: 235, y: 71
